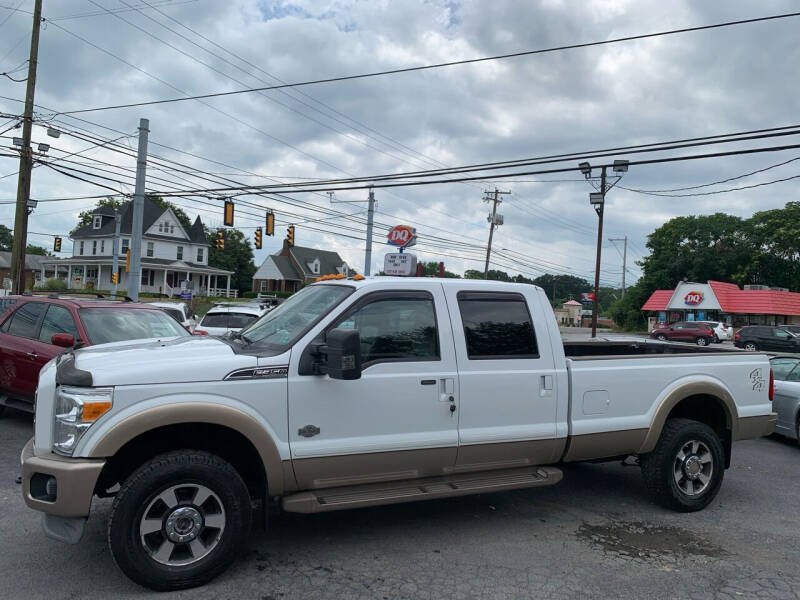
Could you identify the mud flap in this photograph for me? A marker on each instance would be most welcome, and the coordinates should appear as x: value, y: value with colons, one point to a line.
x: 64, y: 529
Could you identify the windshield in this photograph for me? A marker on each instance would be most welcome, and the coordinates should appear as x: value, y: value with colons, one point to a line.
x: 284, y: 324
x: 116, y: 324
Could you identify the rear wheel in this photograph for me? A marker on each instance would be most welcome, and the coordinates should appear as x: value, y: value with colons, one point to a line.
x: 179, y: 520
x: 716, y: 339
x: 661, y: 337
x: 684, y: 472
x: 701, y: 341
x: 750, y: 347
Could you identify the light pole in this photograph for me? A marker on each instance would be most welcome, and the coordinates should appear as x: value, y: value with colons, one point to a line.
x: 598, y: 200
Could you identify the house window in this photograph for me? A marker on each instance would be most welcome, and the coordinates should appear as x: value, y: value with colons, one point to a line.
x: 315, y: 266
x: 102, y: 246
x: 91, y: 273
x: 200, y: 255
x: 160, y: 228
x: 125, y: 245
x: 263, y: 287
x: 98, y: 222
x: 94, y: 247
x: 148, y: 276
x: 172, y: 228
x: 180, y: 253
x: 81, y: 248
x: 150, y: 249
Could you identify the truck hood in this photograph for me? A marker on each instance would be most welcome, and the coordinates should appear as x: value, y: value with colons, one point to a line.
x: 176, y: 360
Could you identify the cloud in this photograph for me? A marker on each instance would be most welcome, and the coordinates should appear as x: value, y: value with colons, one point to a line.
x: 666, y: 88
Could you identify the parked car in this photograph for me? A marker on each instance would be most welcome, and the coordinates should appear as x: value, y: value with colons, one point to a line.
x: 764, y: 337
x: 362, y: 393
x: 36, y: 329
x: 698, y: 332
x: 787, y: 396
x: 181, y: 312
x: 722, y: 332
x: 228, y: 318
x: 795, y: 329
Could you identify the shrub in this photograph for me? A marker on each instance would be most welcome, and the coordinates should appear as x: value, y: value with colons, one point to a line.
x: 54, y: 285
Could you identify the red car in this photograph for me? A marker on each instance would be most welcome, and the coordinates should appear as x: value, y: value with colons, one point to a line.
x: 685, y: 331
x: 35, y: 329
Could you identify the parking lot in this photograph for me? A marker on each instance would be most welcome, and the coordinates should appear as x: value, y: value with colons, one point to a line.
x: 594, y: 535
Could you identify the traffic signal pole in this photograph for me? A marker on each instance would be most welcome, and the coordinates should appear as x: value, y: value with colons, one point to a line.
x: 115, y: 250
x: 25, y: 163
x: 135, y: 275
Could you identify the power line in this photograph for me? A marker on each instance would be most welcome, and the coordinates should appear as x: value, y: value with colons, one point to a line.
x: 713, y: 193
x: 440, y: 65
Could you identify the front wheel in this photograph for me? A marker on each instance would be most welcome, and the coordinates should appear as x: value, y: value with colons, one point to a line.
x: 661, y: 337
x: 179, y: 520
x: 701, y: 341
x: 684, y: 472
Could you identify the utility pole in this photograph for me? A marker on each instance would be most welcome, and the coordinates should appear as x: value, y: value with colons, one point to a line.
x: 135, y: 275
x: 115, y: 248
x: 599, y: 210
x: 25, y: 163
x: 370, y: 216
x: 495, y: 220
x: 624, y: 241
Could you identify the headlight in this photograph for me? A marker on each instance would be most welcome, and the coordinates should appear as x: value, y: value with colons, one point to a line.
x: 76, y: 409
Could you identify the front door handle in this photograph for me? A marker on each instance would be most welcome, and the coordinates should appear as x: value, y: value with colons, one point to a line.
x: 31, y: 355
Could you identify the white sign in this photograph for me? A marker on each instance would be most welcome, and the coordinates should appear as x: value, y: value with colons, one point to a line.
x: 400, y: 264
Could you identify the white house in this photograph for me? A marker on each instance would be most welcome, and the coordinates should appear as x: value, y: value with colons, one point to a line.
x: 172, y: 258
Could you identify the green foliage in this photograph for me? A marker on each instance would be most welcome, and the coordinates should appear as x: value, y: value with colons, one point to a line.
x: 6, y: 238
x: 237, y: 257
x: 54, y: 285
x: 431, y: 269
x: 38, y: 250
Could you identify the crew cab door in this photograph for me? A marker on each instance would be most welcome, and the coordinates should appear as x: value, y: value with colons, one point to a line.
x: 396, y: 421
x: 507, y: 379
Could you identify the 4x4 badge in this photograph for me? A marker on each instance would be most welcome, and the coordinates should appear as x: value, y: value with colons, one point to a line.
x: 308, y: 431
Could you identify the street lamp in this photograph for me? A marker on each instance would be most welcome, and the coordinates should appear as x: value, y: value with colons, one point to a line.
x: 598, y: 200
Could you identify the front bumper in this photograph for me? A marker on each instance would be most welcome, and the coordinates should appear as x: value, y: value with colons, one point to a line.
x: 70, y: 494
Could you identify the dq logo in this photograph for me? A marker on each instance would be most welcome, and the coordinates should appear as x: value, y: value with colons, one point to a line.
x: 693, y: 298
x: 401, y: 235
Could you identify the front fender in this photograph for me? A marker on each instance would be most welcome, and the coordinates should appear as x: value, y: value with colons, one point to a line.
x: 158, y: 412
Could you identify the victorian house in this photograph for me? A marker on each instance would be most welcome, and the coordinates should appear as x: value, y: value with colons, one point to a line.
x: 173, y: 259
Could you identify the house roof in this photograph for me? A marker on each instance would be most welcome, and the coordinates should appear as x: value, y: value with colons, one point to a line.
x: 279, y: 268
x: 758, y: 302
x: 658, y: 300
x: 33, y: 262
x: 329, y: 261
x: 147, y: 262
x: 151, y: 214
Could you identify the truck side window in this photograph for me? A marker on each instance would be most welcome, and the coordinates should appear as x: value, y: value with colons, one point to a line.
x: 497, y: 325
x: 396, y: 329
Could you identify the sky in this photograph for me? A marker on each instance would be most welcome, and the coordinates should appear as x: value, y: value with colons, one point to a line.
x: 104, y: 52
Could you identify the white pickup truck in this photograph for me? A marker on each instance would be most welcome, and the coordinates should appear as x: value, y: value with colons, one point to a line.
x: 359, y: 392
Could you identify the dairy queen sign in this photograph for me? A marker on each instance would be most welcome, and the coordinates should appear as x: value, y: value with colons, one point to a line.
x: 693, y: 298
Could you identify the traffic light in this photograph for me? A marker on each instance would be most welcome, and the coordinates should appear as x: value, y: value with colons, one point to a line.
x: 258, y: 238
x: 220, y: 240
x: 128, y: 261
x: 114, y: 278
x: 290, y: 235
x: 56, y: 244
x: 270, y: 223
x: 228, y: 216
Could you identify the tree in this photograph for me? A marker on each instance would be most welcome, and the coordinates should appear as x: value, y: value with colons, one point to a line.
x: 6, y: 238
x: 237, y: 257
x: 38, y: 250
x: 431, y: 269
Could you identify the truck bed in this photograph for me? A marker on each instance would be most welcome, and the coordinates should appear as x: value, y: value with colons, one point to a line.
x: 637, y: 347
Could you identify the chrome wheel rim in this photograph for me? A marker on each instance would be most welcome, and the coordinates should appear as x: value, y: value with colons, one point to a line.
x: 182, y: 524
x: 693, y: 468
x: 701, y: 341
x: 750, y: 347
x: 661, y: 337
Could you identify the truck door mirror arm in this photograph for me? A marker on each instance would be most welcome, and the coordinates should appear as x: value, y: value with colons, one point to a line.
x: 339, y: 356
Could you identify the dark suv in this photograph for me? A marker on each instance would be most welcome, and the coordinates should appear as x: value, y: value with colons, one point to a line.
x: 697, y: 332
x: 35, y: 329
x: 764, y: 337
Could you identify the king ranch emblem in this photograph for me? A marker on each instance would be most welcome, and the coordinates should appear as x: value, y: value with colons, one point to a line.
x: 693, y: 298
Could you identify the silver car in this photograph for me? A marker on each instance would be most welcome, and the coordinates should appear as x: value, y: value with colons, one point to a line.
x: 787, y: 396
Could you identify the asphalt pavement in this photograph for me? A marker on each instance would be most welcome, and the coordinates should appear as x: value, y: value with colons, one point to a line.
x: 595, y: 535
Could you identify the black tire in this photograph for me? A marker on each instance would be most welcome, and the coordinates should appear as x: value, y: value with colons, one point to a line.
x: 716, y: 339
x: 2, y: 409
x: 750, y: 346
x: 661, y: 337
x: 701, y: 341
x: 658, y: 466
x: 142, y: 490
